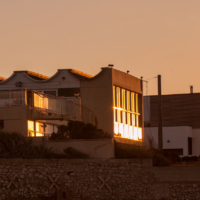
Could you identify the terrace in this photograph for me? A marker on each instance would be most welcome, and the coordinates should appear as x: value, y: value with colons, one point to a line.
x: 47, y: 106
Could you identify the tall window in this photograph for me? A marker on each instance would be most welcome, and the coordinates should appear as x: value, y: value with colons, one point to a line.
x: 126, y: 113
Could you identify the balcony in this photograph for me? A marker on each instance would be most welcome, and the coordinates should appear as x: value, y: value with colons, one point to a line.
x: 47, y: 105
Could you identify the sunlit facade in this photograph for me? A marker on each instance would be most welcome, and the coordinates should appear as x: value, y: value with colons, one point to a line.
x: 127, y: 113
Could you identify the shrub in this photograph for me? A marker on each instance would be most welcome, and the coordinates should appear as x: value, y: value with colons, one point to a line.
x: 78, y: 130
x: 190, y: 159
x: 171, y: 156
x: 14, y: 145
x: 160, y: 160
x: 130, y: 151
x: 17, y: 146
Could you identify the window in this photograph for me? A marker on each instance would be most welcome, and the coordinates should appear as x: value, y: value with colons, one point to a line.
x: 31, y: 128
x: 123, y: 97
x: 39, y: 129
x: 114, y: 96
x: 118, y: 97
x: 127, y: 113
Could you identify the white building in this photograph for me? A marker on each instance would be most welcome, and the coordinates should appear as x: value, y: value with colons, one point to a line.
x: 181, y: 122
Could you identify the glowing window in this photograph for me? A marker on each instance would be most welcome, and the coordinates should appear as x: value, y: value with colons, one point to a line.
x: 123, y: 117
x: 126, y: 113
x: 123, y: 99
x: 114, y: 96
x: 135, y: 133
x: 136, y: 103
x: 118, y: 97
x: 118, y: 115
x: 139, y: 133
x: 39, y: 129
x: 31, y: 132
x: 128, y: 118
x: 132, y: 102
x: 121, y: 129
x: 126, y: 135
x: 128, y: 100
x: 130, y: 132
x: 133, y: 119
x: 116, y: 129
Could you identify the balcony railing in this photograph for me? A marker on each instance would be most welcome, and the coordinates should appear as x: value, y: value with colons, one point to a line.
x: 47, y: 104
x: 12, y: 98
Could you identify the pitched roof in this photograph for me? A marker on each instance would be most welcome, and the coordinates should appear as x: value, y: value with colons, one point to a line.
x: 37, y: 76
x: 2, y: 79
x: 80, y: 74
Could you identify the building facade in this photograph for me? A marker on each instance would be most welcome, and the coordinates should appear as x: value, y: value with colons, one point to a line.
x: 35, y: 105
x: 180, y: 120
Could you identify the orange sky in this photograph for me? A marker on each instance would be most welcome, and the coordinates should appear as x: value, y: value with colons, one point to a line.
x: 145, y: 37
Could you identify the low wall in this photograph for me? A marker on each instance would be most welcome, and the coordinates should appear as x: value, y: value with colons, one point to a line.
x: 95, y: 148
x: 97, y: 179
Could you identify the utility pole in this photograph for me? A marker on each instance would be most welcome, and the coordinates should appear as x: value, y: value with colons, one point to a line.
x: 160, y: 135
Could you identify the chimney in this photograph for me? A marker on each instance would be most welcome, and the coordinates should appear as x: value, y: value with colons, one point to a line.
x: 191, y: 89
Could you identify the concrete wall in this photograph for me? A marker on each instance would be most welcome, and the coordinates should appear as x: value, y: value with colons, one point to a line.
x: 173, y: 137
x: 95, y: 148
x: 15, y: 119
x: 126, y: 81
x: 96, y: 95
x: 99, y: 179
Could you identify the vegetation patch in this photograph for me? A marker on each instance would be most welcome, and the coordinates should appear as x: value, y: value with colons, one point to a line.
x: 14, y: 145
x: 130, y: 151
x: 79, y: 130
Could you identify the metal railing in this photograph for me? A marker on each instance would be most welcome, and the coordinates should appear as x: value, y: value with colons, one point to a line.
x: 59, y: 105
x: 12, y: 98
x: 38, y: 134
x: 48, y: 104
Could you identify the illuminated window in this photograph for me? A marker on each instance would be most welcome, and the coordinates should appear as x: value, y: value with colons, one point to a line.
x: 132, y: 102
x: 127, y: 113
x: 39, y: 129
x: 114, y: 96
x: 123, y: 117
x: 118, y: 115
x: 128, y: 100
x: 128, y: 119
x: 31, y: 132
x: 136, y: 103
x: 118, y: 97
x: 123, y: 99
x: 133, y: 119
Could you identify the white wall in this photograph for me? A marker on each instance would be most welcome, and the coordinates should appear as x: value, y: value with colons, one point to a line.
x: 177, y: 136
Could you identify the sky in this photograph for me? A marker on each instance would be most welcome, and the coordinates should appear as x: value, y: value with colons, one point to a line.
x: 146, y: 37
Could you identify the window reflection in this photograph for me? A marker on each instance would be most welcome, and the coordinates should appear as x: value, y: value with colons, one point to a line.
x: 126, y: 113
